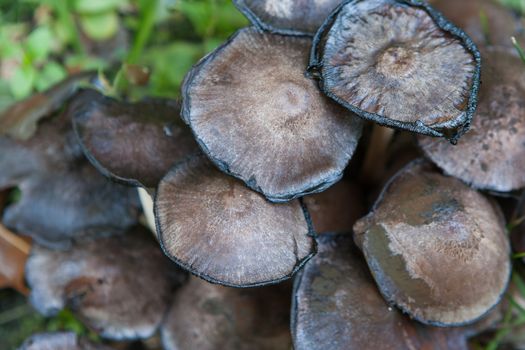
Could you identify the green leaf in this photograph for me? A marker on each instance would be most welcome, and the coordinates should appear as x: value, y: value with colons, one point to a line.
x: 50, y: 74
x: 39, y: 43
x: 100, y: 27
x: 97, y: 6
x: 22, y: 82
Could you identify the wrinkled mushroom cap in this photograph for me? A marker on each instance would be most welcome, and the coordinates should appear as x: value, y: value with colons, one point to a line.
x: 120, y: 286
x: 258, y: 117
x: 399, y: 64
x: 60, y: 341
x: 109, y: 132
x: 492, y: 154
x: 217, y: 228
x: 208, y: 317
x: 336, y: 305
x: 287, y: 16
x: 437, y: 249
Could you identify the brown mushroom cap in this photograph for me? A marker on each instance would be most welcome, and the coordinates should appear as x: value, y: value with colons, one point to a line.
x: 437, y: 249
x: 120, y: 286
x: 336, y: 305
x: 287, y: 16
x: 400, y: 64
x: 258, y: 117
x: 60, y: 341
x: 485, y: 21
x: 217, y: 228
x: 209, y: 317
x: 133, y: 143
x: 62, y: 194
x: 492, y: 155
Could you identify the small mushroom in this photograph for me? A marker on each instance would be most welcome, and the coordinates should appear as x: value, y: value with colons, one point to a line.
x: 133, y: 143
x: 287, y: 16
x: 209, y: 317
x: 119, y: 285
x: 62, y: 194
x: 492, y: 155
x: 258, y: 118
x: 336, y: 305
x: 400, y: 64
x: 218, y: 229
x: 428, y: 241
x: 60, y: 341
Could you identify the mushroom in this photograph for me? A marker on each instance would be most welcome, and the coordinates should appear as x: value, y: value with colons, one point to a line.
x: 208, y: 317
x: 400, y: 64
x: 267, y: 124
x: 120, y: 286
x: 428, y: 240
x: 218, y: 229
x: 287, y: 16
x: 20, y: 120
x: 62, y: 194
x: 336, y: 305
x: 108, y: 131
x: 60, y: 341
x: 492, y: 155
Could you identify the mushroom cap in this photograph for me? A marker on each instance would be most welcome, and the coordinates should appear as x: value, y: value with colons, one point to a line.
x: 119, y: 285
x: 107, y: 129
x: 268, y: 124
x: 498, y: 27
x: 336, y: 305
x: 290, y: 17
x: 400, y: 64
x: 492, y: 155
x: 429, y: 241
x: 205, y: 316
x: 218, y: 229
x: 60, y: 341
x: 62, y: 194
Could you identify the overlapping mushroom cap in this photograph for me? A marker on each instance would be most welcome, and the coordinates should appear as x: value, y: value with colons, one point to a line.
x: 287, y: 16
x: 209, y: 317
x: 492, y: 155
x: 120, y: 286
x: 220, y: 230
x: 60, y: 341
x: 258, y: 117
x: 429, y: 240
x: 133, y: 143
x: 400, y: 64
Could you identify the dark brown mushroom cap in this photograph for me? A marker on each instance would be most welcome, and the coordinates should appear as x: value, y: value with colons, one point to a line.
x: 336, y: 305
x: 205, y: 316
x: 400, y: 64
x: 437, y: 249
x: 133, y: 143
x: 217, y: 228
x: 287, y: 16
x: 492, y: 155
x: 258, y: 117
x: 487, y: 22
x: 60, y: 341
x: 337, y: 209
x: 120, y: 286
x: 62, y: 194
x: 20, y: 120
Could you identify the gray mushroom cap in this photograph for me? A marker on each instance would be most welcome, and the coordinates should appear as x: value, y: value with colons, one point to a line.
x: 60, y: 341
x: 428, y: 241
x: 120, y: 286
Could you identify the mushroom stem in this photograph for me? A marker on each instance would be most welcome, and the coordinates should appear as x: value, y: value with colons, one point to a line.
x: 146, y: 202
x: 376, y: 154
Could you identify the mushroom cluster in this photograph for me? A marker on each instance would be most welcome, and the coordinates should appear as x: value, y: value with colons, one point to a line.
x: 289, y: 133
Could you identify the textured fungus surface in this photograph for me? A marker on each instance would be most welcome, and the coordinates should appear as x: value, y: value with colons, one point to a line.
x: 336, y: 305
x: 260, y: 119
x: 220, y: 230
x: 60, y: 341
x: 120, y: 286
x: 392, y: 62
x: 492, y: 154
x: 108, y: 131
x: 209, y: 317
x: 429, y: 241
x: 287, y: 16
